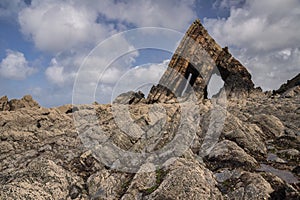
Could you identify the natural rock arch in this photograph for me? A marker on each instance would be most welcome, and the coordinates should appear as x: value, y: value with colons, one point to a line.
x: 198, y: 54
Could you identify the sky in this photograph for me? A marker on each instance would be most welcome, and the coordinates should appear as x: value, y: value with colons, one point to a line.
x: 98, y: 48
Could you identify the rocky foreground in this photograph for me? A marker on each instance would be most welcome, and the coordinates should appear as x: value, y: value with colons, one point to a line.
x: 256, y: 155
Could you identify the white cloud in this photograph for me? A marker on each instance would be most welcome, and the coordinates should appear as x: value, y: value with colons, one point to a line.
x: 104, y: 64
x: 272, y: 69
x: 68, y: 30
x: 260, y: 25
x: 150, y: 13
x: 103, y: 70
x: 57, y: 26
x: 56, y: 74
x: 15, y: 66
x: 139, y: 78
x: 265, y: 36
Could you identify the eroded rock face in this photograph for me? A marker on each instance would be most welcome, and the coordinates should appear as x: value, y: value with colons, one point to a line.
x: 42, y: 179
x: 250, y: 186
x: 247, y: 136
x: 15, y: 104
x: 294, y: 82
x: 43, y: 157
x: 4, y: 106
x: 270, y: 125
x: 130, y: 98
x: 293, y: 92
x: 228, y: 153
x: 197, y: 57
x: 187, y: 180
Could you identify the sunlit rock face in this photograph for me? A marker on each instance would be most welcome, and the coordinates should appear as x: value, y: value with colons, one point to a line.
x: 197, y: 57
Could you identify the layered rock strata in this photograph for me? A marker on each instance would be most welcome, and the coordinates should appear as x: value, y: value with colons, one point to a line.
x: 197, y: 57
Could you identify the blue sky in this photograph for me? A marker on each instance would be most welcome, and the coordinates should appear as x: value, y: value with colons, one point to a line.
x: 44, y: 42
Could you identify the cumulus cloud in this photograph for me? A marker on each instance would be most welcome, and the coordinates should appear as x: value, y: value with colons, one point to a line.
x: 58, y: 26
x: 150, y: 13
x: 260, y: 25
x: 56, y: 74
x: 103, y: 69
x: 138, y: 78
x: 272, y: 69
x: 265, y: 36
x: 68, y: 30
x: 15, y: 66
x: 64, y: 67
x: 153, y: 72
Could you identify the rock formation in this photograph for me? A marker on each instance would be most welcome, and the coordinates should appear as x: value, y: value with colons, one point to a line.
x: 130, y: 98
x: 15, y: 104
x: 197, y: 57
x: 256, y: 157
x: 4, y: 103
x: 291, y: 88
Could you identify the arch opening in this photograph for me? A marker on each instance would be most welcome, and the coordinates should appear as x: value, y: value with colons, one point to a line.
x: 214, y: 86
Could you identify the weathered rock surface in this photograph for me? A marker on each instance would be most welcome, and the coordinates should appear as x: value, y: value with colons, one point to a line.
x: 4, y: 103
x: 270, y: 125
x: 197, y: 57
x: 42, y: 179
x: 15, y: 104
x: 43, y: 157
x: 130, y: 98
x: 293, y: 92
x: 229, y: 154
x: 187, y: 180
x: 247, y: 136
x: 250, y: 186
x: 294, y: 82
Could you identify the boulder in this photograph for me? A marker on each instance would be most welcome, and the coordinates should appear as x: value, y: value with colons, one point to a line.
x: 130, y: 98
x: 187, y: 180
x: 270, y: 125
x: 248, y: 136
x: 228, y: 154
x: 4, y: 106
x: 292, y: 92
x: 251, y: 186
x: 288, y: 85
x: 26, y: 101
